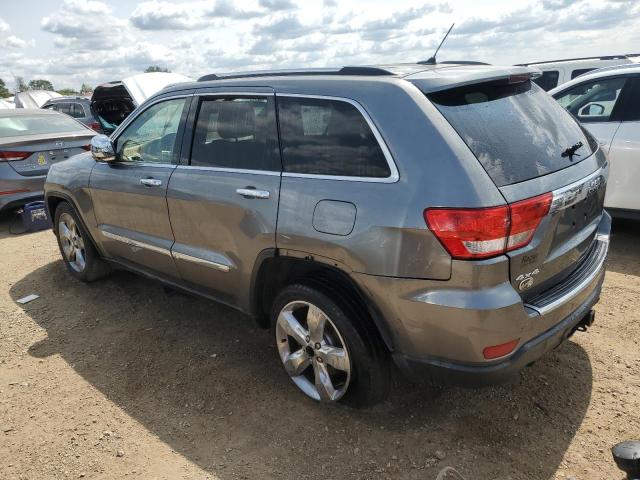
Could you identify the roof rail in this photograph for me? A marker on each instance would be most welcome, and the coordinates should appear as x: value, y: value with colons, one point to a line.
x: 364, y: 71
x: 609, y: 68
x: 462, y: 62
x: 603, y: 57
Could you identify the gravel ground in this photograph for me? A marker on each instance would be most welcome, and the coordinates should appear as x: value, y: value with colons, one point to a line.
x: 119, y: 379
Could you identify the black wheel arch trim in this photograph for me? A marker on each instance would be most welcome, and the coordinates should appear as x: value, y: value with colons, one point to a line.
x: 255, y: 292
x: 67, y: 198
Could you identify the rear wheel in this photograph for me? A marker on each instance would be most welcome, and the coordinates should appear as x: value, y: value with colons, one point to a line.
x: 323, y: 349
x: 78, y: 253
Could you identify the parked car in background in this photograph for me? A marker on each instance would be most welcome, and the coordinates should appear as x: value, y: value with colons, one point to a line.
x: 557, y: 72
x: 76, y: 107
x: 607, y: 102
x: 112, y: 102
x: 447, y: 217
x: 31, y: 140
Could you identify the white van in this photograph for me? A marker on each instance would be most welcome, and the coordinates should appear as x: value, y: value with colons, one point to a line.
x: 557, y: 72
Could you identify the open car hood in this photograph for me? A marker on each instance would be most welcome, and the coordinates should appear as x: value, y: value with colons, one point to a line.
x: 137, y: 87
x: 33, y: 98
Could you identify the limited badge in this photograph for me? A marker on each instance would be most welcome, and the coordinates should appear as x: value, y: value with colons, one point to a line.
x: 42, y: 161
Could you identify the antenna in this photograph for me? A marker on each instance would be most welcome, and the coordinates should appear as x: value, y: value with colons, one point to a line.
x: 432, y: 60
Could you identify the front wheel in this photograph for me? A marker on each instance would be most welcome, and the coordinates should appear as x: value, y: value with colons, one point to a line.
x: 324, y: 349
x: 79, y: 255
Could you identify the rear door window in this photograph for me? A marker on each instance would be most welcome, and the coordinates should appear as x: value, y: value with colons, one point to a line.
x: 548, y: 80
x: 238, y: 133
x: 64, y: 108
x: 77, y: 111
x: 328, y: 137
x: 593, y: 101
x: 516, y: 131
x: 580, y: 71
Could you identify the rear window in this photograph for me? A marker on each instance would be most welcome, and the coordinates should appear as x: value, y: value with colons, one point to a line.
x: 20, y: 125
x: 328, y: 137
x: 516, y: 131
x: 548, y: 80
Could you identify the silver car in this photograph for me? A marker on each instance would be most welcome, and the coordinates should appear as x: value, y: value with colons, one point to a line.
x: 446, y: 218
x: 31, y: 141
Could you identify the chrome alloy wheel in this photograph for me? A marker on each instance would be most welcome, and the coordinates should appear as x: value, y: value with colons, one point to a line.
x: 72, y: 242
x: 312, y: 351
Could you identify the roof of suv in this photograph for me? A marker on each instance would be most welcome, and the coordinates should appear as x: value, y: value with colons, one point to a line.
x: 430, y: 77
x: 629, y: 68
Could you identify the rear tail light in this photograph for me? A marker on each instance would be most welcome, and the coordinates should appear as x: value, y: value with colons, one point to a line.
x: 472, y: 233
x: 525, y: 218
x: 86, y: 147
x: 94, y: 126
x: 11, y: 192
x: 8, y: 156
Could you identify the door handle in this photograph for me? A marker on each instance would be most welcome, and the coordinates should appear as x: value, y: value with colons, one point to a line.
x: 252, y: 193
x: 151, y: 182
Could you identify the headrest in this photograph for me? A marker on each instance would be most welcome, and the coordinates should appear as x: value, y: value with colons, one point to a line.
x: 343, y: 122
x: 236, y: 120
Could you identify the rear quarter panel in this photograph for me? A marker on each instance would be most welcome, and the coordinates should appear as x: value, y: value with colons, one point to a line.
x: 389, y: 235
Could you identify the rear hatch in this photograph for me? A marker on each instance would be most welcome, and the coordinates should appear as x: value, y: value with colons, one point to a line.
x: 531, y: 147
x: 31, y: 143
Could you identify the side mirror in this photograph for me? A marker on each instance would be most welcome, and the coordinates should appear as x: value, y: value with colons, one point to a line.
x: 102, y: 149
x: 591, y: 109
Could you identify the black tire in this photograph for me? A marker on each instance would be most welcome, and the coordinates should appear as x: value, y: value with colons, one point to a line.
x: 369, y: 360
x: 94, y: 266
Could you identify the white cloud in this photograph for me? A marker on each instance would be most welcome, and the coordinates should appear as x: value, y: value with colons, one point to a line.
x: 15, y: 42
x: 95, y: 41
x: 86, y: 6
x: 4, y: 26
x: 7, y: 39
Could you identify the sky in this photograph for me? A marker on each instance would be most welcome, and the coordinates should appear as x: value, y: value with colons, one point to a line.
x: 71, y: 42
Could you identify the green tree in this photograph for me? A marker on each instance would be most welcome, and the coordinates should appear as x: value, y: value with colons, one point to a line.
x: 85, y: 89
x: 4, y: 91
x: 67, y: 92
x: 21, y: 86
x: 40, y: 84
x: 156, y: 68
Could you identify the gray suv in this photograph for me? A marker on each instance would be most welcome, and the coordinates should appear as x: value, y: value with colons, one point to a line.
x: 445, y: 219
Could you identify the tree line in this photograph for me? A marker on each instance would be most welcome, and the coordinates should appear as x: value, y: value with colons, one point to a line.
x: 41, y: 84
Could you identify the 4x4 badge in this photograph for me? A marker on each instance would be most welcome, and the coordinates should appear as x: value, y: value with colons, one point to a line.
x: 526, y: 279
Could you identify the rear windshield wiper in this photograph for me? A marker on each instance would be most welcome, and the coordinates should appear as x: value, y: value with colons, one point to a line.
x: 571, y: 151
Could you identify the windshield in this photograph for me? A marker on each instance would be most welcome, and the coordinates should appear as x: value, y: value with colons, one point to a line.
x: 516, y: 131
x: 35, y: 124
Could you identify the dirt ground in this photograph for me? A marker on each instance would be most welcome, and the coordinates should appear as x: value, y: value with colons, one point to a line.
x: 119, y: 379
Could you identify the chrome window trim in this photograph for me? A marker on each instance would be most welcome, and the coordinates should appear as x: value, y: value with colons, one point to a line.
x: 201, y: 261
x: 222, y: 93
x: 229, y: 170
x: 392, y: 178
x: 135, y: 243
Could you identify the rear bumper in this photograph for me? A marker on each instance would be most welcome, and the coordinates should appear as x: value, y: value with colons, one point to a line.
x: 16, y: 190
x: 447, y: 372
x: 438, y: 330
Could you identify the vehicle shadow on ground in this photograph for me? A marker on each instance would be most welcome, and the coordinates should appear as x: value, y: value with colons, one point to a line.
x: 11, y: 225
x: 206, y: 381
x: 624, y: 255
